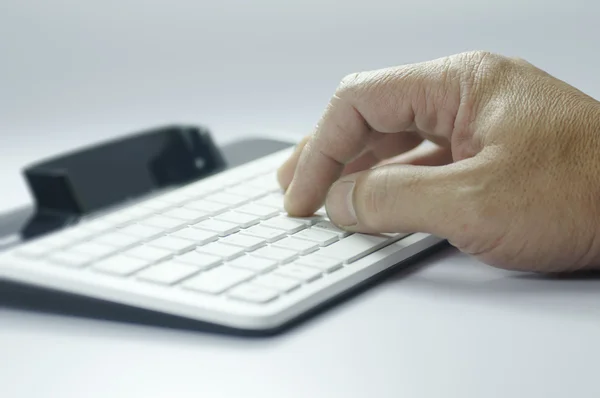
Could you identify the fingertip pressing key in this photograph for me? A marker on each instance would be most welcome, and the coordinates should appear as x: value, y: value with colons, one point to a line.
x: 286, y: 171
x: 291, y: 204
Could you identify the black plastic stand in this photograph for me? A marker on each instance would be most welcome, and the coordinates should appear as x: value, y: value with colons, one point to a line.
x: 94, y: 179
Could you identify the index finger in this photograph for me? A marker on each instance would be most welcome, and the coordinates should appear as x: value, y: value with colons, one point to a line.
x: 385, y: 101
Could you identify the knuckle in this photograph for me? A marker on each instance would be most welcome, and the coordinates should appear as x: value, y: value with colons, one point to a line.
x: 484, y: 65
x: 482, y: 76
x: 480, y: 56
x: 349, y: 83
x: 521, y: 63
x: 364, y: 82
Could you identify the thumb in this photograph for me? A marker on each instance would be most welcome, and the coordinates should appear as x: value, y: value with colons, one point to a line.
x: 406, y: 199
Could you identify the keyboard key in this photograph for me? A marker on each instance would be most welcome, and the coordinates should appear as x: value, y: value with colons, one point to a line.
x: 77, y: 234
x: 281, y: 283
x: 231, y: 179
x: 149, y: 253
x: 226, y: 199
x: 276, y: 254
x: 208, y: 207
x: 247, y: 191
x: 119, y: 218
x: 297, y: 245
x: 93, y: 249
x: 268, y: 234
x: 95, y: 226
x: 155, y: 205
x: 164, y: 223
x: 197, y: 236
x: 202, y: 188
x: 325, y: 264
x: 189, y: 215
x: 218, y: 280
x: 319, y: 236
x: 118, y: 240
x: 312, y: 220
x: 199, y: 260
x: 34, y: 250
x: 275, y: 201
x: 354, y: 247
x: 71, y: 259
x: 56, y: 241
x: 142, y: 231
x: 255, y: 264
x: 193, y: 192
x: 268, y: 182
x: 173, y: 244
x: 243, y: 220
x: 253, y: 293
x: 120, y: 265
x: 257, y: 210
x: 329, y: 226
x: 174, y: 198
x: 286, y: 224
x: 223, y: 228
x: 138, y: 212
x: 299, y: 272
x: 247, y: 242
x: 168, y: 273
x: 226, y: 252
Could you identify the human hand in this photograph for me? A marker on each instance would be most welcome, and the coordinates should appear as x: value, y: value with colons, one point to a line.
x: 512, y: 177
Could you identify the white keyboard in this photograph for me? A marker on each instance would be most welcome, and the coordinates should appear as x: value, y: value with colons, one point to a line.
x: 221, y: 250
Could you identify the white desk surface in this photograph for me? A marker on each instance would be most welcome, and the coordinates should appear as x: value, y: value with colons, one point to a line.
x: 76, y: 72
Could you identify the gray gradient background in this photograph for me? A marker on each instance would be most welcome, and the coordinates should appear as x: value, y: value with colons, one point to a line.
x: 75, y: 72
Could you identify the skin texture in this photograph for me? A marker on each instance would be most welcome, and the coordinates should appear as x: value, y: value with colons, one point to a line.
x: 512, y: 175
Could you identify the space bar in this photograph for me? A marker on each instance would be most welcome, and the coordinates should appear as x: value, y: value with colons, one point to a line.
x: 355, y: 247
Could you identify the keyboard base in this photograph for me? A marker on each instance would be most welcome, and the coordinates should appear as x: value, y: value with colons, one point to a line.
x: 37, y: 298
x: 62, y: 291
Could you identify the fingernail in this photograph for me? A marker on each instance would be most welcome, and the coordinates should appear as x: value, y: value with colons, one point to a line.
x: 340, y: 204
